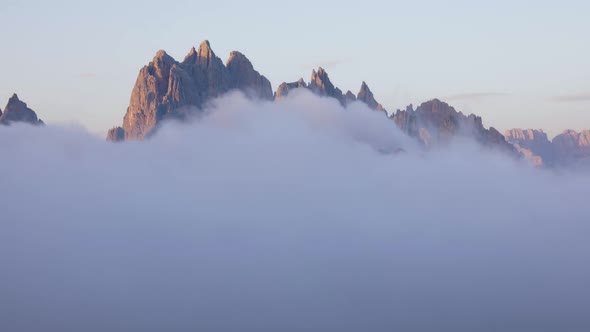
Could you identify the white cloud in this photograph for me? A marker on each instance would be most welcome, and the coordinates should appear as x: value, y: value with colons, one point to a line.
x: 284, y: 217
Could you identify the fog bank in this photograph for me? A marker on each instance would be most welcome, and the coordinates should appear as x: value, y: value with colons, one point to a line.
x: 289, y: 216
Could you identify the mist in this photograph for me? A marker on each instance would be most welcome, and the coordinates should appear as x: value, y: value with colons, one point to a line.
x: 297, y: 215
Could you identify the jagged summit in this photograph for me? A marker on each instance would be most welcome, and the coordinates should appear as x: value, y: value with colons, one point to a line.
x: 365, y: 95
x: 237, y: 56
x: 191, y: 57
x: 321, y: 85
x: 284, y: 88
x: 18, y: 111
x: 349, y: 97
x: 206, y: 54
x: 436, y: 123
x: 166, y: 88
x: 245, y: 78
x: 205, y: 49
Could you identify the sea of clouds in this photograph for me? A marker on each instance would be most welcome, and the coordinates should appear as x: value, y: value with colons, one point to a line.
x: 289, y: 216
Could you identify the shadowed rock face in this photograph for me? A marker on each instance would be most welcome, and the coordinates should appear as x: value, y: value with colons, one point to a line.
x: 321, y: 85
x: 349, y: 97
x: 244, y: 77
x: 435, y: 123
x: 116, y: 134
x: 17, y: 111
x: 166, y: 88
x: 366, y: 96
x: 284, y: 88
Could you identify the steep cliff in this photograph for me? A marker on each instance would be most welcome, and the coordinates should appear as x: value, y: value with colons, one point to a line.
x: 166, y: 88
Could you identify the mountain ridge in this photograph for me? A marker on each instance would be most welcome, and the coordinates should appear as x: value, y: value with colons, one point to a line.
x: 165, y: 86
x: 169, y: 89
x: 568, y: 149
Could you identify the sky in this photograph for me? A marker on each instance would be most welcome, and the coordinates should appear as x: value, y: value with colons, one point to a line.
x: 515, y: 63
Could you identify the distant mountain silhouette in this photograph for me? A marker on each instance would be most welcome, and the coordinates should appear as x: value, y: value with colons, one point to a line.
x: 17, y: 111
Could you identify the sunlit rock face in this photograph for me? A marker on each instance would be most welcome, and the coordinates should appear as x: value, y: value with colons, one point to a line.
x: 533, y: 144
x: 572, y: 149
x: 568, y: 149
x: 166, y: 88
x: 18, y: 111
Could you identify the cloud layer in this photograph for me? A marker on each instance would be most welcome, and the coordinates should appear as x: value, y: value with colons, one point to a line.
x: 572, y: 98
x: 287, y: 216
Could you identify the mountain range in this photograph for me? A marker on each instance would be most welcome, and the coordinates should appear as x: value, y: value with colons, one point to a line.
x: 168, y: 89
x: 568, y: 149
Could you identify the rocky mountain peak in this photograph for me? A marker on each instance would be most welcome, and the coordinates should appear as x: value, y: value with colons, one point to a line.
x: 284, y: 88
x: 349, y: 97
x: 236, y: 57
x: 205, y: 54
x: 366, y: 96
x: 245, y: 78
x: 202, y: 57
x: 321, y: 84
x: 436, y: 123
x: 161, y: 57
x: 167, y: 89
x: 205, y: 50
x: 191, y: 57
x: 18, y: 111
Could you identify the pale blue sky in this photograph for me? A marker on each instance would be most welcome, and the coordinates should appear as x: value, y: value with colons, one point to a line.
x: 515, y: 63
